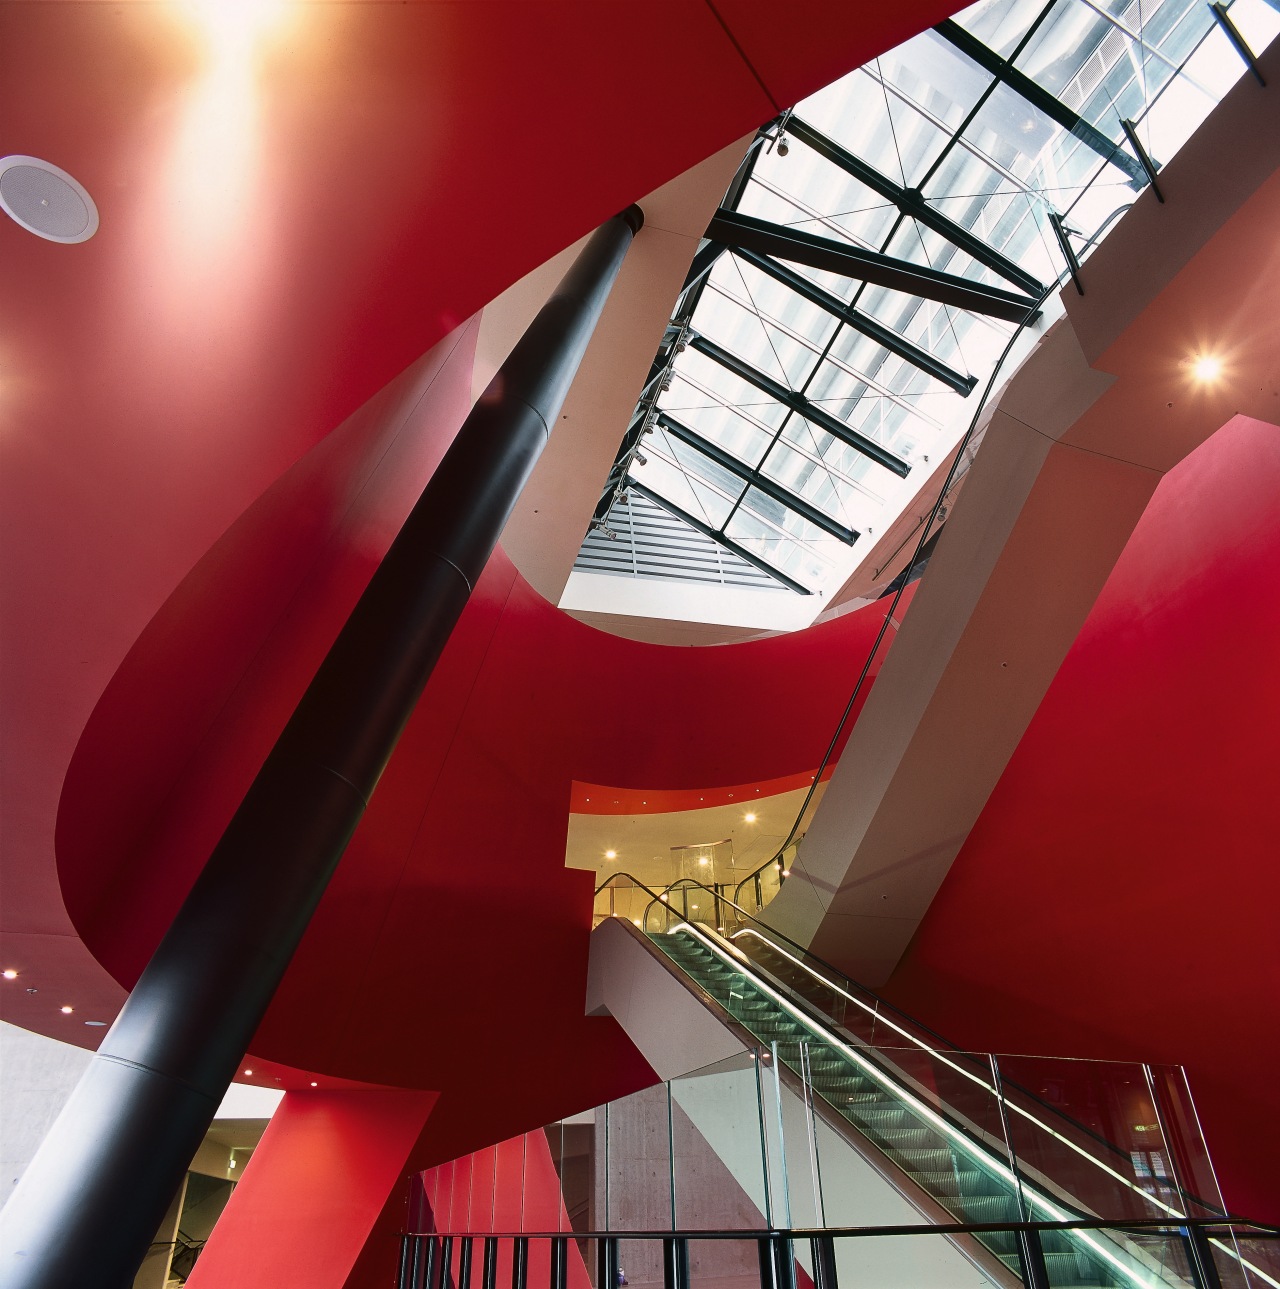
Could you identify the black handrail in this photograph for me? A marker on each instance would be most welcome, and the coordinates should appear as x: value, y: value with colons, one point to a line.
x: 422, y: 1253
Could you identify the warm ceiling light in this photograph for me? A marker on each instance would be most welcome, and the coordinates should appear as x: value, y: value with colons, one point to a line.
x: 66, y: 1011
x: 703, y: 859
x: 786, y: 872
x: 749, y: 817
x: 611, y: 854
x: 1206, y: 368
x: 315, y: 1085
x: 248, y: 1071
x: 10, y: 974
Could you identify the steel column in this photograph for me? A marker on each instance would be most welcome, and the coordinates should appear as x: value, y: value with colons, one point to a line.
x: 91, y: 1200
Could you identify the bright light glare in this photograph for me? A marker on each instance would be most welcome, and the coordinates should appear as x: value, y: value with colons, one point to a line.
x: 234, y: 25
x: 611, y: 854
x: 10, y: 974
x: 749, y: 817
x: 1206, y: 368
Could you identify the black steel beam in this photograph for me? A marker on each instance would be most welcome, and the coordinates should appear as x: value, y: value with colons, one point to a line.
x: 860, y: 322
x: 801, y: 405
x: 89, y: 1203
x: 910, y: 201
x: 762, y: 483
x: 1040, y: 98
x: 703, y: 262
x: 701, y: 526
x: 745, y: 232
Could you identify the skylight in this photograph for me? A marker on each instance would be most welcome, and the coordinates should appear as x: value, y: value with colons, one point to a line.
x: 878, y: 248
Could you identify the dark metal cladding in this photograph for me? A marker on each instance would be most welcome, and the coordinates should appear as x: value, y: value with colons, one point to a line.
x: 89, y: 1204
x: 845, y: 260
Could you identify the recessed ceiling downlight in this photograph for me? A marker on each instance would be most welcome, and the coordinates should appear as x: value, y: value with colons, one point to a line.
x: 46, y: 201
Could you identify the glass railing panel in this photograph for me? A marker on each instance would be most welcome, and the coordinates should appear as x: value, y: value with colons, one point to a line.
x: 921, y: 1261
x: 1088, y: 1135
x: 1201, y: 1196
x: 637, y: 1162
x: 718, y: 1148
x: 1246, y: 1262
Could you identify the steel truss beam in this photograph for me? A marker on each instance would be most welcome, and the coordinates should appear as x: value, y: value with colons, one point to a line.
x: 1039, y: 97
x: 861, y: 322
x: 910, y: 201
x: 745, y: 232
x: 716, y: 536
x: 762, y: 483
x: 801, y: 405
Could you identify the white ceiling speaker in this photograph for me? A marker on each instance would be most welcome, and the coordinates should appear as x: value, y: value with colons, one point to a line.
x: 46, y: 201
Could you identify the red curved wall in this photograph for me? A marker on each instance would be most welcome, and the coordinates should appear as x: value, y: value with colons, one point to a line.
x: 1119, y: 895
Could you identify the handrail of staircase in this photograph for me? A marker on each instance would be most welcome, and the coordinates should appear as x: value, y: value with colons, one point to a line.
x: 657, y: 900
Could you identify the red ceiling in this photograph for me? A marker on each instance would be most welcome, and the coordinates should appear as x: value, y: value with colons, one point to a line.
x: 282, y: 235
x: 182, y: 526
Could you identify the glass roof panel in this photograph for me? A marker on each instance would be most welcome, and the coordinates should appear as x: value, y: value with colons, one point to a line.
x: 886, y: 133
x: 726, y: 317
x: 1014, y: 164
x: 694, y: 463
x: 1001, y: 25
x: 933, y: 74
x: 783, y: 539
x: 693, y: 496
x: 706, y: 377
x: 834, y: 204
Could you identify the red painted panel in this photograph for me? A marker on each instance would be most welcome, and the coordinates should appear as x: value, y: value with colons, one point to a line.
x: 313, y: 1190
x: 1118, y: 896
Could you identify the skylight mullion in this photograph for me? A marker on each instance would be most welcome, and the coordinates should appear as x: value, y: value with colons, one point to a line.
x: 911, y: 203
x: 763, y: 483
x: 861, y: 322
x: 728, y: 543
x: 1041, y: 99
x: 798, y: 403
x: 822, y: 351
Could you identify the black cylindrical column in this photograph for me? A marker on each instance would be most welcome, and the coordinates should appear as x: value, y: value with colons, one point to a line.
x: 89, y: 1204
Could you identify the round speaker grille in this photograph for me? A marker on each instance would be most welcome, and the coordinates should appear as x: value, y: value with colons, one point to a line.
x: 46, y: 201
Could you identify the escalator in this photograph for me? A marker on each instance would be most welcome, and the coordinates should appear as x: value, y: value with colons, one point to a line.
x: 933, y: 1119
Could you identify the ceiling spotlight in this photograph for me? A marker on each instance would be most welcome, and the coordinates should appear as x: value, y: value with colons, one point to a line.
x: 704, y: 859
x: 248, y: 1071
x: 314, y: 1084
x: 611, y: 854
x: 641, y: 460
x: 1206, y: 368
x: 609, y: 534
x: 66, y: 1011
x: 783, y: 147
x: 10, y: 974
x: 749, y: 817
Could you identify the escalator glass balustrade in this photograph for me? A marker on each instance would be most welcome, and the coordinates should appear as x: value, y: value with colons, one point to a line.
x: 968, y: 1138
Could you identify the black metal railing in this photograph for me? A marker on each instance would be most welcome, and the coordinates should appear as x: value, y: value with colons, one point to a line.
x: 1208, y: 1252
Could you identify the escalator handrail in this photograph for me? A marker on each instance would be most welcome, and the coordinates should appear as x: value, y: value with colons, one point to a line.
x: 826, y: 1022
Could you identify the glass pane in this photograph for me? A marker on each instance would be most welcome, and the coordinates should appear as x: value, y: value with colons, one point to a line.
x: 1087, y: 1134
x: 718, y: 1149
x: 1001, y: 24
x: 638, y: 1165
x: 933, y: 73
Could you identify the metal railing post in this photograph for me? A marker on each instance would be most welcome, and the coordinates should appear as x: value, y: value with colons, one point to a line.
x: 1035, y: 1275
x: 489, y: 1272
x: 1204, y: 1270
x: 520, y: 1262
